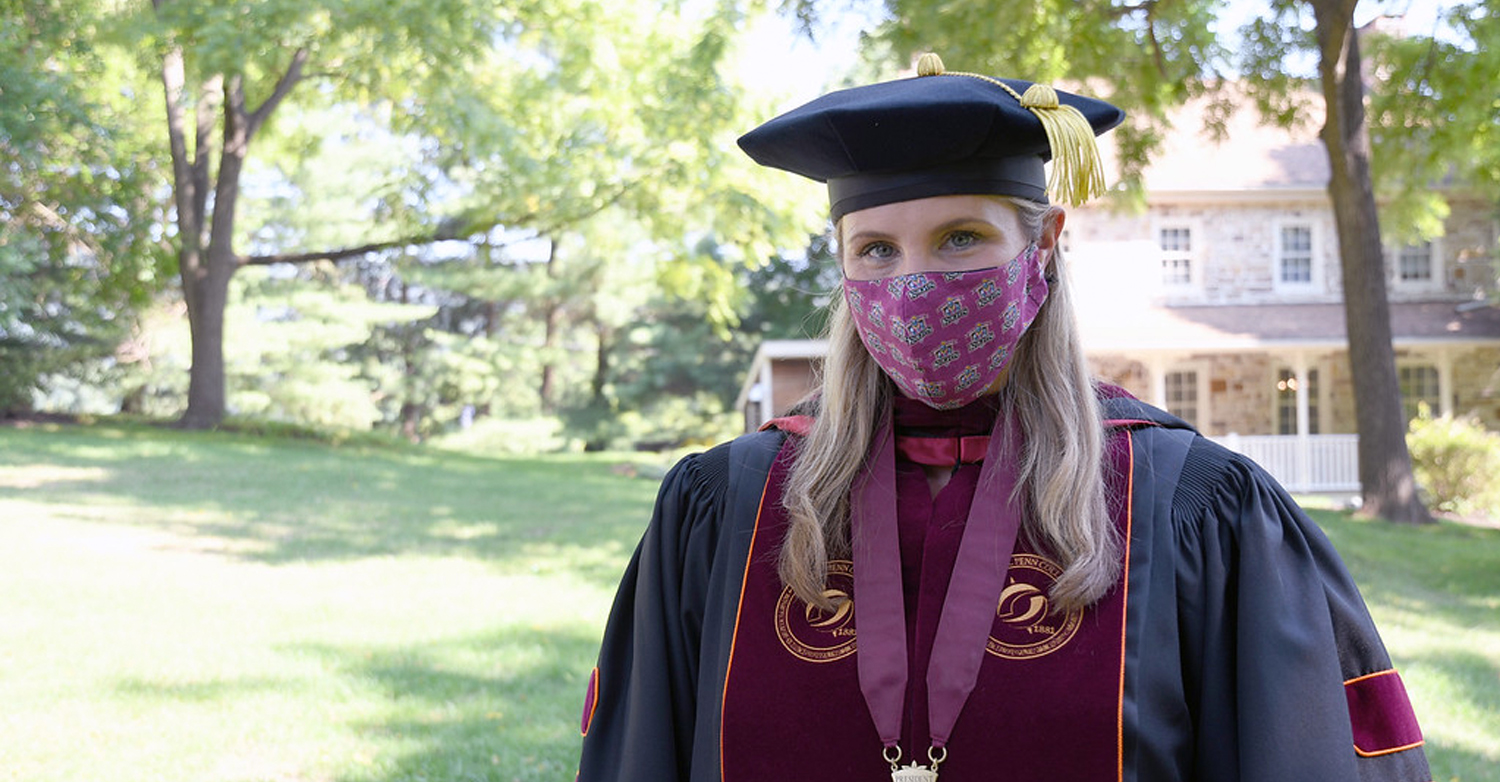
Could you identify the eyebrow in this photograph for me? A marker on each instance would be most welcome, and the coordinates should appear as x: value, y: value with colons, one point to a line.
x: 873, y: 234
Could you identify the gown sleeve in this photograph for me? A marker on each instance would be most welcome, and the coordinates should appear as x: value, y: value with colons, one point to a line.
x: 639, y: 713
x: 1285, y: 675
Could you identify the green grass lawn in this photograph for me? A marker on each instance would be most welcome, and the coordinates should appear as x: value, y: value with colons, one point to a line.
x: 209, y: 607
x: 217, y: 608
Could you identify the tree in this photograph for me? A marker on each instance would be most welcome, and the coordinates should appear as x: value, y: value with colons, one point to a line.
x: 1152, y: 56
x: 1466, y: 146
x: 1387, y: 483
x: 522, y: 117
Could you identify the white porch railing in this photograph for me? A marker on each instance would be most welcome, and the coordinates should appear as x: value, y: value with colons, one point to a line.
x: 1316, y: 463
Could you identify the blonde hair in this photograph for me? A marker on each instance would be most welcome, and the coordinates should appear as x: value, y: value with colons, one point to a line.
x: 1051, y: 393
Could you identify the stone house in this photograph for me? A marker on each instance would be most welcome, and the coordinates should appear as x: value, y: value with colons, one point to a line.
x: 1221, y: 302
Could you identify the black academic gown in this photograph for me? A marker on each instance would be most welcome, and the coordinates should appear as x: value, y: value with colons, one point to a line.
x: 1248, y: 654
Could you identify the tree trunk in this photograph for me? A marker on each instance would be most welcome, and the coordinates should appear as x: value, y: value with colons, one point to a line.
x: 1387, y: 484
x: 552, y: 324
x: 605, y: 336
x: 206, y: 289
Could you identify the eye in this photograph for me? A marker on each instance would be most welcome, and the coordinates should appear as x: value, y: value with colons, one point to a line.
x: 961, y: 240
x: 877, y: 251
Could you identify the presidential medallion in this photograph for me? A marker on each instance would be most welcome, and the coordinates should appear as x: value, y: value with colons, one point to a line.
x: 914, y: 773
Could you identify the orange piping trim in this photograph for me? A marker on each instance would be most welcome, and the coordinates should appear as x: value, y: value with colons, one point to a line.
x: 1377, y: 753
x: 1125, y: 610
x: 1386, y: 672
x: 739, y: 614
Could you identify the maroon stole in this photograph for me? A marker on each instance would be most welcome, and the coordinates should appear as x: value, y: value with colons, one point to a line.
x: 1047, y: 704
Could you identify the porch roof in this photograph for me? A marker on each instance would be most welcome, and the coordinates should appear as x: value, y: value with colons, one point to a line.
x: 1263, y: 326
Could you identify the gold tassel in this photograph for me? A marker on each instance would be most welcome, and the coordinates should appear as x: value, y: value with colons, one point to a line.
x: 1077, y: 171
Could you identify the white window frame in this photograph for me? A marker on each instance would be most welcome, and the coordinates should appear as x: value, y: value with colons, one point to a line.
x: 1315, y: 277
x: 1438, y: 280
x: 1195, y: 255
x: 1200, y: 392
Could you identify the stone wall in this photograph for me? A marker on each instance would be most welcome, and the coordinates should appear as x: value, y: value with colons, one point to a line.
x: 1241, y: 390
x: 1133, y: 376
x: 1476, y: 383
x: 1472, y: 235
x: 1235, y: 242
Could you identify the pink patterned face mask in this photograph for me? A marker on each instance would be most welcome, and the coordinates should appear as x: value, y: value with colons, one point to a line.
x: 945, y: 337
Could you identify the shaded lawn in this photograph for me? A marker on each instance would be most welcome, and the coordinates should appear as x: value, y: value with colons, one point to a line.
x: 215, y: 607
x: 280, y: 501
x: 210, y: 607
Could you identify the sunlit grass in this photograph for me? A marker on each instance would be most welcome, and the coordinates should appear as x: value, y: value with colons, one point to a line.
x: 228, y: 608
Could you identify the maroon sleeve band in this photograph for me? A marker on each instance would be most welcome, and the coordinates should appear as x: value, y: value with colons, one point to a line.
x: 1381, y: 714
x: 590, y: 702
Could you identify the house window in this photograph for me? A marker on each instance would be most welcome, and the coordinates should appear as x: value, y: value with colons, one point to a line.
x: 1414, y: 264
x: 1286, y: 401
x: 1295, y: 255
x: 1419, y: 386
x: 1417, y: 267
x: 1182, y: 395
x: 1176, y: 255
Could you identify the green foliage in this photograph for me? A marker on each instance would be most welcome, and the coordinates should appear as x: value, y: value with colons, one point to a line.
x: 660, y: 424
x: 1457, y: 463
x: 1431, y: 122
x: 493, y: 436
x: 77, y: 216
x: 424, y: 378
x: 585, y: 149
x: 1147, y: 58
x: 410, y: 123
x: 789, y: 294
x: 680, y: 374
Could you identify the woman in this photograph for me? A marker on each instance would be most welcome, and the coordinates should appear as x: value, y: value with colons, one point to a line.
x: 967, y: 558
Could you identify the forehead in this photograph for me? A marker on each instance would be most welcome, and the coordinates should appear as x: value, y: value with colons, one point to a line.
x: 925, y: 213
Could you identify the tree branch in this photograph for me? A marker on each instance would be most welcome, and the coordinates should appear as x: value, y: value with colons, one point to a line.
x: 448, y: 230
x: 208, y: 94
x: 1121, y: 11
x: 284, y: 85
x: 173, y: 77
x: 1156, y: 53
x: 49, y: 218
x: 452, y: 229
x: 331, y: 255
x: 598, y: 207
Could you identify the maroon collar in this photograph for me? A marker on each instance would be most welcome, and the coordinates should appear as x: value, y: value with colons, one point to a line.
x: 943, y: 451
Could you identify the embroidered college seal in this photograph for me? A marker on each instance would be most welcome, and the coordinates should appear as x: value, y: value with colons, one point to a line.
x: 1025, y: 626
x: 814, y: 635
